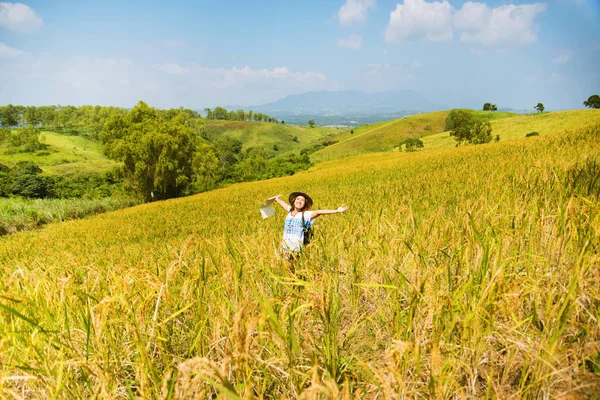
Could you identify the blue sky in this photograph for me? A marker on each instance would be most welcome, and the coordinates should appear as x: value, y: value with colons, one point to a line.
x: 201, y: 54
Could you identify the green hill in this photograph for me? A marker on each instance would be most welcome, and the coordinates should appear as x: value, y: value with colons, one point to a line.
x: 286, y: 137
x: 63, y: 154
x: 385, y: 136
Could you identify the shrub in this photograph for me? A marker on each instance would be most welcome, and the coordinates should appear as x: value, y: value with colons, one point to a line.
x: 532, y: 134
x: 412, y: 144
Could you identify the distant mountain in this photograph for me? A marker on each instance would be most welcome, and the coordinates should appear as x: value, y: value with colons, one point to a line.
x: 352, y: 102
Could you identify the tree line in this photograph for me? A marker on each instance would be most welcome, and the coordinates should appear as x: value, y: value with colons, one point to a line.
x: 162, y: 153
x: 221, y: 113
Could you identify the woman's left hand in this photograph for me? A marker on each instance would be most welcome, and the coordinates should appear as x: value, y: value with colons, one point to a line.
x: 342, y: 208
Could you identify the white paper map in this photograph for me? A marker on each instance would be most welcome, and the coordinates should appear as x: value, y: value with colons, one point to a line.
x: 266, y: 210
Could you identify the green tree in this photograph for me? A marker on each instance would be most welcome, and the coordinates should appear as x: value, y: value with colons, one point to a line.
x: 9, y: 116
x: 26, y: 140
x: 592, y: 101
x: 467, y: 130
x: 412, y: 144
x: 539, y: 107
x: 487, y: 107
x: 205, y: 166
x: 157, y: 154
x: 27, y: 181
x: 494, y: 108
x: 32, y: 116
x: 481, y: 132
x: 455, y: 117
x: 311, y: 123
x: 219, y: 113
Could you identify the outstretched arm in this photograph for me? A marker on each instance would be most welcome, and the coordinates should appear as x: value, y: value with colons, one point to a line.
x: 283, y: 204
x: 341, y: 209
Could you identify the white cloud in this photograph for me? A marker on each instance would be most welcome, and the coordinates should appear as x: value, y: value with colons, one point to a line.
x: 502, y: 27
x: 420, y: 20
x: 352, y: 42
x: 9, y: 52
x: 35, y: 78
x: 354, y: 11
x: 173, y: 69
x: 19, y: 17
x: 562, y: 59
x: 505, y: 26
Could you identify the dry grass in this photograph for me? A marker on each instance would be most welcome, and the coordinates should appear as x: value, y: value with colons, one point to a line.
x: 457, y: 273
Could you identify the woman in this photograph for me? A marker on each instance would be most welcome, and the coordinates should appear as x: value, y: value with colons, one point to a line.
x: 300, y: 217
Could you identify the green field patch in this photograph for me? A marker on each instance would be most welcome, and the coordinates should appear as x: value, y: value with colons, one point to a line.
x: 63, y: 153
x: 287, y: 138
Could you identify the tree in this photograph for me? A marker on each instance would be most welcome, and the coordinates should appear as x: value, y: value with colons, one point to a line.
x: 490, y: 107
x: 467, y: 130
x: 282, y: 122
x: 157, y: 154
x: 592, y: 102
x: 27, y: 181
x: 26, y: 139
x: 481, y: 132
x: 311, y: 123
x: 9, y: 116
x: 205, y: 165
x: 539, y: 107
x: 412, y: 144
x: 219, y: 113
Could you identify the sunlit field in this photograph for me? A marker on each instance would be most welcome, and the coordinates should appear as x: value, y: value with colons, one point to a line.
x: 518, y: 126
x: 63, y: 154
x: 457, y: 273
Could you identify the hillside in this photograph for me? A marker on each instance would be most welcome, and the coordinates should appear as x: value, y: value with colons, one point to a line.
x: 518, y: 126
x: 385, y: 136
x: 286, y: 137
x: 458, y: 272
x: 63, y: 154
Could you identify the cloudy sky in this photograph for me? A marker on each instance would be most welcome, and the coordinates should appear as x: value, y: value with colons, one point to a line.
x: 200, y: 54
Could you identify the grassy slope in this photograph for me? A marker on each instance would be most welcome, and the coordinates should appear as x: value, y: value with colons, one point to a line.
x: 266, y: 134
x: 466, y: 272
x: 387, y: 135
x: 518, y: 126
x: 67, y: 154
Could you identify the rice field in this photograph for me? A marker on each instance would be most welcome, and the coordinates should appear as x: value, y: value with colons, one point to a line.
x: 469, y: 272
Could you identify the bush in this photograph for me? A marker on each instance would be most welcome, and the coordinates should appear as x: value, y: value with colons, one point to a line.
x: 530, y: 134
x: 412, y: 144
x: 6, y: 181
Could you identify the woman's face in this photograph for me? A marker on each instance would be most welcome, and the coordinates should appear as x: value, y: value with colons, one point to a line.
x: 299, y: 202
